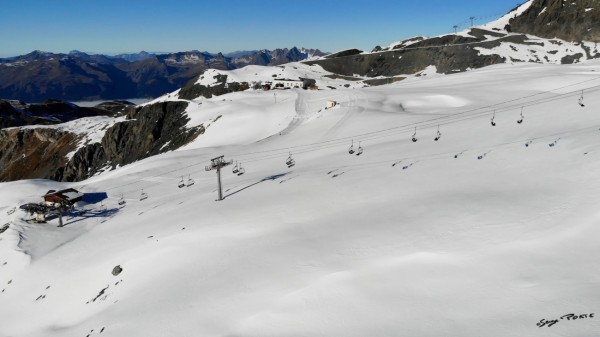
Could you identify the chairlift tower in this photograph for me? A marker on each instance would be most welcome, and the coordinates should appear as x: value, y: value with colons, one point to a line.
x: 217, y: 164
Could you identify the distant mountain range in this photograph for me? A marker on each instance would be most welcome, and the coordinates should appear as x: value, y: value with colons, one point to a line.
x: 78, y: 76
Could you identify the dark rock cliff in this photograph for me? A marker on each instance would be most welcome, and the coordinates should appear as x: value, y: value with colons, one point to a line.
x: 149, y: 130
x: 567, y: 20
x: 450, y: 53
x: 33, y: 153
x: 40, y: 152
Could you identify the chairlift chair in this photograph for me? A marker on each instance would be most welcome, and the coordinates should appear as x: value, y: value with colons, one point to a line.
x: 360, y: 150
x: 438, y: 134
x: 493, y: 117
x: 235, y: 168
x: 181, y: 183
x: 290, y: 161
x: 190, y: 181
x: 414, y: 136
x: 581, y: 100
x: 143, y: 195
x: 241, y: 170
x: 351, y: 149
x: 121, y: 201
x: 521, y: 120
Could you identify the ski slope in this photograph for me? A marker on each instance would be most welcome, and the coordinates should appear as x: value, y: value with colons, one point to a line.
x: 408, y: 239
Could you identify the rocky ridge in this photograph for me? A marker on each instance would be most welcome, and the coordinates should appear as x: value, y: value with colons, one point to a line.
x: 54, y: 153
x: 574, y: 21
x: 541, y: 31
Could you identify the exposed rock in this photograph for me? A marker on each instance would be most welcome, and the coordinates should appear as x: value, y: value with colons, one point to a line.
x: 567, y: 20
x: 33, y: 153
x: 117, y: 270
x: 151, y: 130
x: 117, y: 107
x: 343, y: 53
x: 194, y: 90
x: 447, y: 53
x: 86, y: 162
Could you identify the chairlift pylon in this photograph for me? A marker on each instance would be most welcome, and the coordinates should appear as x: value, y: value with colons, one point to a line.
x: 414, y: 136
x: 351, y: 149
x: 438, y: 135
x: 360, y: 150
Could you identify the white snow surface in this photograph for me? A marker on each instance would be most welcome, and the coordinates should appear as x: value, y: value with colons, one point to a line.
x: 408, y: 239
x: 263, y: 74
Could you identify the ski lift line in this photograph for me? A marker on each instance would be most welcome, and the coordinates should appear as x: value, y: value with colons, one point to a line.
x: 449, y: 117
x: 532, y: 103
x: 445, y: 155
x: 388, y: 133
x: 564, y: 134
x: 457, y: 120
x: 442, y: 155
x: 328, y: 146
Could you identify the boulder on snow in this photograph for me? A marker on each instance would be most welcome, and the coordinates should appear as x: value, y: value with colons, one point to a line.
x: 117, y: 270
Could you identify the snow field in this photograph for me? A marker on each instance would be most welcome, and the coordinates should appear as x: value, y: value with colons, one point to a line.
x: 338, y: 244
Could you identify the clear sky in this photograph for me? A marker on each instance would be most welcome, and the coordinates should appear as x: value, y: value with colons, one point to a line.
x: 117, y: 26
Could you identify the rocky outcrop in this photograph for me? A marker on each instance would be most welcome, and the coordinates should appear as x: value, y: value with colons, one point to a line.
x: 33, y: 152
x: 86, y: 162
x: 567, y: 20
x: 450, y: 53
x: 118, y: 107
x: 41, y: 152
x: 221, y: 87
x: 150, y: 130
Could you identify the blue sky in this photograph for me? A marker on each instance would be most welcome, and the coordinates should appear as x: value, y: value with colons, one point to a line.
x: 110, y: 26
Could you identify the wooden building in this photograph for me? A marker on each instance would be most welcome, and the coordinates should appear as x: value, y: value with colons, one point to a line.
x: 66, y: 197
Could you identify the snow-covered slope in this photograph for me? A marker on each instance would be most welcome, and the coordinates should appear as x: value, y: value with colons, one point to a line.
x: 290, y: 71
x: 472, y: 235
